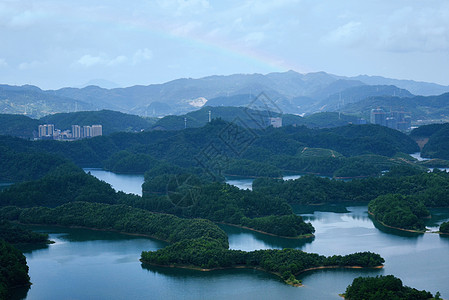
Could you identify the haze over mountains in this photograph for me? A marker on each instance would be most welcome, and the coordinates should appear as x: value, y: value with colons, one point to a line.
x: 288, y: 92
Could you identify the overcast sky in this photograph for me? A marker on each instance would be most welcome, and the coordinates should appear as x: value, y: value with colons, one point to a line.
x: 53, y: 43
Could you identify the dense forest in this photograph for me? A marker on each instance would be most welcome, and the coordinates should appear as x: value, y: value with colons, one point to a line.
x: 20, y: 166
x: 214, y: 201
x: 231, y: 148
x: 399, y: 198
x: 430, y: 188
x: 13, y: 266
x: 444, y: 227
x: 17, y: 234
x: 383, y: 287
x: 13, y: 269
x: 206, y: 253
x: 399, y: 211
x: 185, y: 196
x: 117, y: 217
x: 438, y: 140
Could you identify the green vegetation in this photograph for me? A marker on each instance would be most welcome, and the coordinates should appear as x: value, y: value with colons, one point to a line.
x: 13, y: 269
x: 398, y: 199
x: 383, y: 287
x: 118, y: 217
x: 215, y: 148
x: 420, y: 107
x: 206, y: 253
x: 16, y: 234
x: 429, y: 188
x: 127, y: 162
x: 438, y: 144
x: 18, y: 125
x: 26, y: 166
x: 245, y: 167
x: 112, y: 121
x: 444, y: 227
x: 67, y: 183
x: 185, y: 196
x: 399, y: 211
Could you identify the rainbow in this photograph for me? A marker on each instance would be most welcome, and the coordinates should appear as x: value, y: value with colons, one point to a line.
x: 259, y: 59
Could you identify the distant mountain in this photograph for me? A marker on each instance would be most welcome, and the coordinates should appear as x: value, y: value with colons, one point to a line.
x: 251, y: 118
x: 358, y: 93
x: 415, y: 87
x: 103, y: 83
x: 289, y: 92
x: 33, y: 102
x: 428, y: 108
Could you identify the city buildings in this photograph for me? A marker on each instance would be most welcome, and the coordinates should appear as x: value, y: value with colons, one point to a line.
x: 48, y: 131
x: 399, y: 120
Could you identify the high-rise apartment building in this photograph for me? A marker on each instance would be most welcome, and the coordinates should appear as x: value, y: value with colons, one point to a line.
x: 46, y: 130
x: 76, y: 131
x: 96, y: 130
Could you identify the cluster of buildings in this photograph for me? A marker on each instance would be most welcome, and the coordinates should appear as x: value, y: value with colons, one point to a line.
x: 399, y: 120
x: 48, y: 131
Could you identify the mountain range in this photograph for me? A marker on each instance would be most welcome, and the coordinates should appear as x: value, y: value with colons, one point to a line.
x: 287, y: 92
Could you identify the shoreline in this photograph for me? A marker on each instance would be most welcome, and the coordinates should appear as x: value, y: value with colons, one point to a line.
x: 98, y: 229
x: 189, y: 267
x: 398, y: 228
x: 304, y: 236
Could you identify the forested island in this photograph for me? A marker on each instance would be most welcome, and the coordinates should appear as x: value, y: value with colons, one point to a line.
x: 395, y: 210
x: 13, y: 267
x: 444, y: 228
x: 398, y: 199
x: 384, y: 287
x: 206, y: 254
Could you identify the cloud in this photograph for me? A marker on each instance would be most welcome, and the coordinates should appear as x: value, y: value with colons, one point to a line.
x: 142, y: 55
x: 121, y: 59
x: 184, y: 7
x: 3, y: 63
x: 89, y: 60
x: 29, y: 65
x: 413, y: 29
x: 349, y: 34
x: 139, y: 56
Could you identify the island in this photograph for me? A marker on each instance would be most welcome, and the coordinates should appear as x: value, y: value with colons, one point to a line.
x: 400, y: 212
x: 444, y: 228
x: 206, y: 254
x: 384, y: 287
x: 13, y: 265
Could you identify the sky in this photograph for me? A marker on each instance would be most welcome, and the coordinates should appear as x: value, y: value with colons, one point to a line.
x: 54, y: 44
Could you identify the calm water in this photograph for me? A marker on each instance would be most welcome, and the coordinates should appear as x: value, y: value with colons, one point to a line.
x: 85, y: 264
x: 247, y: 183
x: 120, y: 182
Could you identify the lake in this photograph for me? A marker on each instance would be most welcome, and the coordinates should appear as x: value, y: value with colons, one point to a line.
x: 86, y: 264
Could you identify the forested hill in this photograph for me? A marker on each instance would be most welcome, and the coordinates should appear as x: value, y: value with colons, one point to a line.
x: 18, y: 125
x: 420, y: 107
x: 252, y: 118
x: 437, y: 145
x: 112, y: 121
x: 283, y: 147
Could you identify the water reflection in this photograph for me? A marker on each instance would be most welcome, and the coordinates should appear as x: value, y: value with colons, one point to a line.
x: 247, y: 240
x: 393, y: 231
x: 28, y: 248
x: 181, y: 274
x: 128, y: 183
